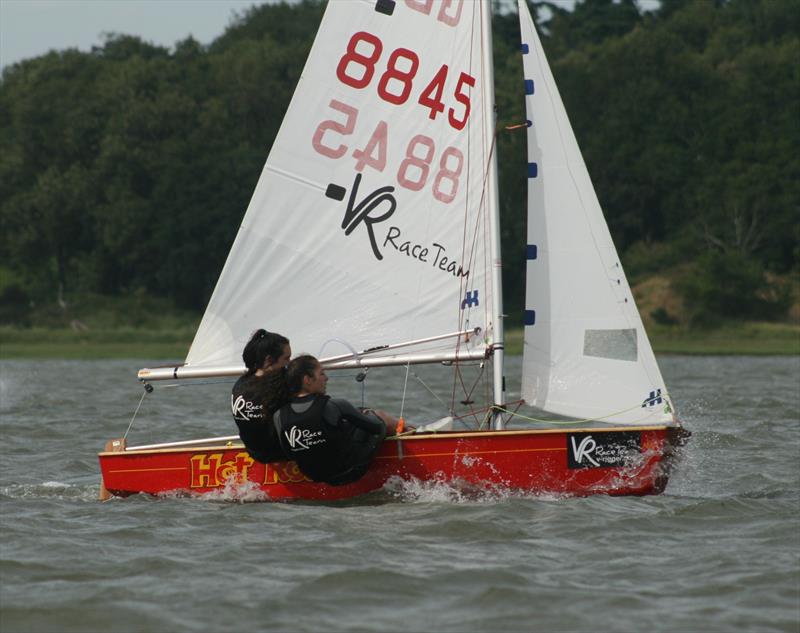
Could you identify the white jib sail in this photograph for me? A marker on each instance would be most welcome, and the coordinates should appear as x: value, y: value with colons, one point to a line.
x: 367, y: 226
x: 586, y: 353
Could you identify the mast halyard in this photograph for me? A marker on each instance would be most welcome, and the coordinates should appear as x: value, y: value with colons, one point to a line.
x: 493, y: 200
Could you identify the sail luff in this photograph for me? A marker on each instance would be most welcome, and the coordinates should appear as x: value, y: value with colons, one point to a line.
x: 493, y: 201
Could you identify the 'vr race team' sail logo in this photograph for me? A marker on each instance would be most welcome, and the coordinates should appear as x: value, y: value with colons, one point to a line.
x: 603, y: 450
x: 371, y: 211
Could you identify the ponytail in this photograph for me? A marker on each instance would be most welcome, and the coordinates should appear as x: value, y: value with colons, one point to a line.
x: 262, y: 345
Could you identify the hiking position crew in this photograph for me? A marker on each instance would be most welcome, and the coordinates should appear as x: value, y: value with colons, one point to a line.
x: 330, y: 440
x: 259, y: 393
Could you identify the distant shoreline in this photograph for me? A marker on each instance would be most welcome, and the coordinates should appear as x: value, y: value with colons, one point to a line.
x: 747, y: 339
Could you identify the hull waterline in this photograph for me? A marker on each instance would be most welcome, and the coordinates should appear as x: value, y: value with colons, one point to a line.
x: 580, y: 462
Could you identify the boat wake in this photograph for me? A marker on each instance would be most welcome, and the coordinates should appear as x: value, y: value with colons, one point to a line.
x: 455, y: 491
x: 51, y: 490
x: 233, y: 491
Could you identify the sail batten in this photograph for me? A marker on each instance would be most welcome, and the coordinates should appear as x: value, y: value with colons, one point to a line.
x: 296, y: 177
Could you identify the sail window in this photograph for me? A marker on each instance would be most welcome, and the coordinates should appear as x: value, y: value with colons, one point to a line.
x: 613, y: 344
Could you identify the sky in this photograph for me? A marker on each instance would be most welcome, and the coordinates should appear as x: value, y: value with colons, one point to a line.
x: 29, y: 28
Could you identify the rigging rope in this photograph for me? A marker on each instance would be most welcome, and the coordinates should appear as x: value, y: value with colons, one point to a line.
x: 433, y: 393
x: 470, y: 243
x: 405, y: 384
x: 130, y: 424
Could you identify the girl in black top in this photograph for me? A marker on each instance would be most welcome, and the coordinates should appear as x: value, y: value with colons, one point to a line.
x: 260, y: 392
x: 329, y: 439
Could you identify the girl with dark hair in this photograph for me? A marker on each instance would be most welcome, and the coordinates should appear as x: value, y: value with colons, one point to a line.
x: 329, y: 438
x: 260, y: 392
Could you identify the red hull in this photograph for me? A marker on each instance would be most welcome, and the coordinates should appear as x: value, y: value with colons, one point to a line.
x: 621, y: 461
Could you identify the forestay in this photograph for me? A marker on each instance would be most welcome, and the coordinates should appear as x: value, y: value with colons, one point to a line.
x: 368, y: 224
x: 586, y: 352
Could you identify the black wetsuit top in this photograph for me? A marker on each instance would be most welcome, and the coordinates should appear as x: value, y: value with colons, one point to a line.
x: 330, y: 439
x: 254, y: 400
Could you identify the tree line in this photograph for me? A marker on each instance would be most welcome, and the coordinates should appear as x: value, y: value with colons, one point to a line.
x: 128, y: 168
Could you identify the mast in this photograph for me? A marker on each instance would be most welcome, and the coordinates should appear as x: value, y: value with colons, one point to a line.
x: 493, y: 200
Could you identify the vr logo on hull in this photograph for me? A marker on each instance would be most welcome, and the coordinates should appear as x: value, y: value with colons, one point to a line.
x: 603, y: 450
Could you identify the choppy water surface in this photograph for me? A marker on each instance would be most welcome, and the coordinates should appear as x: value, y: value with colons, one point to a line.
x: 719, y: 551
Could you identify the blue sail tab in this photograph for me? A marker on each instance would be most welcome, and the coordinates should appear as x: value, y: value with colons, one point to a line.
x: 529, y: 86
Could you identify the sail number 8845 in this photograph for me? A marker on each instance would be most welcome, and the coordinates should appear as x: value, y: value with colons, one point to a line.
x: 357, y: 67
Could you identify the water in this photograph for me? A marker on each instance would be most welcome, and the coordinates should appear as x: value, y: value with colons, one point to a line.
x: 719, y: 551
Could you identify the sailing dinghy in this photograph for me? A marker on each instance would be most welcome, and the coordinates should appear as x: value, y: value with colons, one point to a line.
x: 375, y: 226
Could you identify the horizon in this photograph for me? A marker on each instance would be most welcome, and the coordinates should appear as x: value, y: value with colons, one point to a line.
x: 31, y: 28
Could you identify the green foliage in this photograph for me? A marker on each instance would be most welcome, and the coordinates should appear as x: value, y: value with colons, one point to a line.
x: 662, y: 317
x: 89, y: 312
x: 128, y: 169
x: 722, y: 286
x: 15, y: 305
x: 689, y: 127
x: 751, y: 338
x: 647, y: 258
x: 589, y: 22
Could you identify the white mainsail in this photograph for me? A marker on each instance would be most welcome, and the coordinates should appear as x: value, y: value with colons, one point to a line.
x: 368, y: 224
x: 586, y: 352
